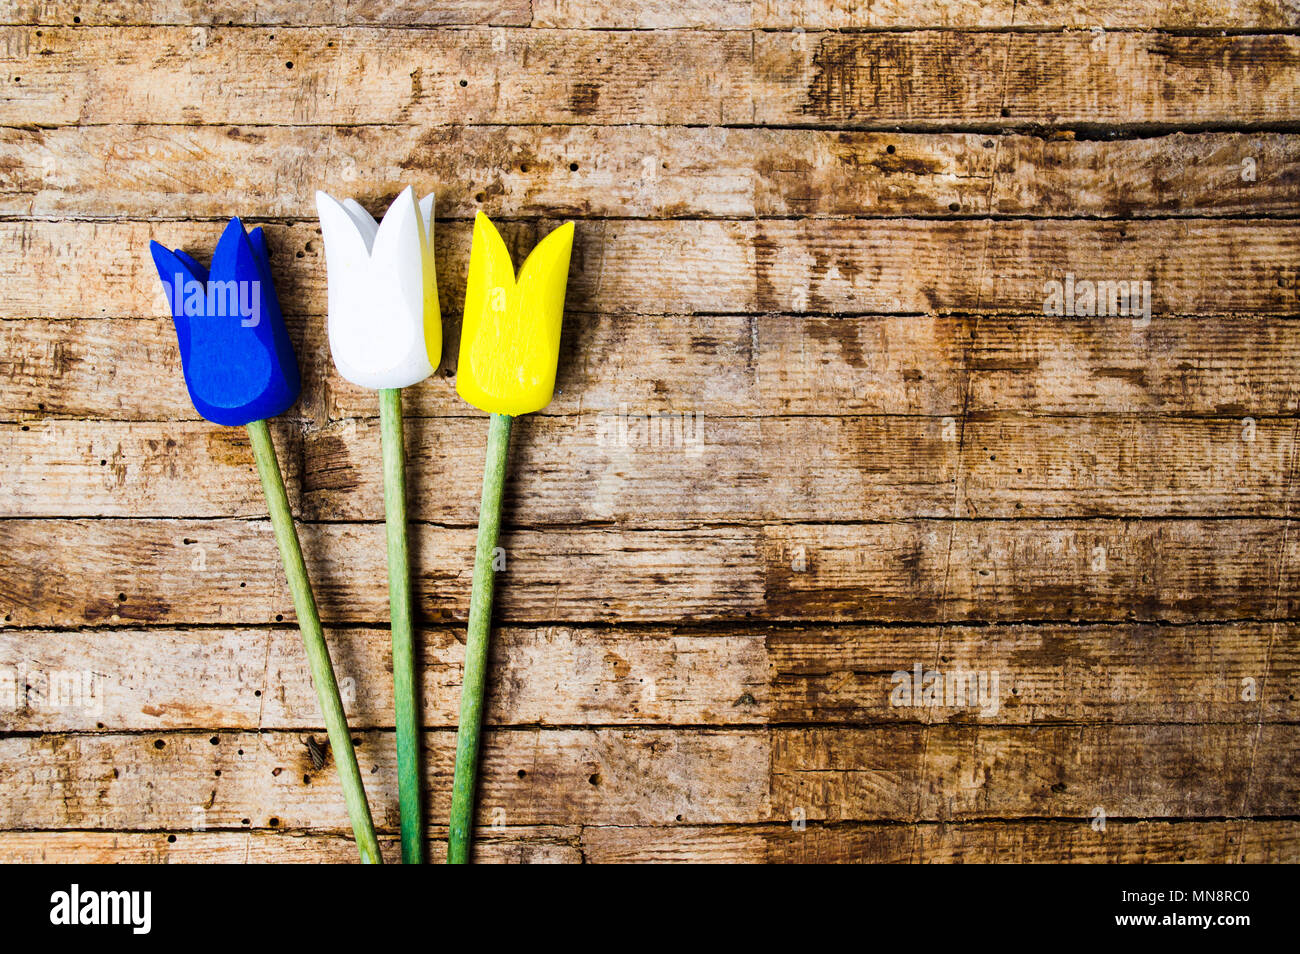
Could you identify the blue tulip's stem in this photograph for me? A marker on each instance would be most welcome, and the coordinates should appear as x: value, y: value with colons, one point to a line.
x: 318, y: 654
x: 476, y: 644
x: 399, y: 611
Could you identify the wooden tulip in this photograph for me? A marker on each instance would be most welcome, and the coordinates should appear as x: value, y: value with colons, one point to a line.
x: 509, y: 352
x: 385, y: 333
x: 240, y: 369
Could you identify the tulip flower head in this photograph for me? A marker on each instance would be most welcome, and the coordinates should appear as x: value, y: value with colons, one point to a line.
x: 510, y: 340
x: 385, y: 327
x: 235, y: 351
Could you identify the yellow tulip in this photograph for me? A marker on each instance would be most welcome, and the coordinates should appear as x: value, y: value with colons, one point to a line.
x: 510, y: 338
x: 509, y: 349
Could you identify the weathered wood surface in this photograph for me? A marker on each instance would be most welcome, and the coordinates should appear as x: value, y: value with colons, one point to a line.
x: 187, y: 172
x: 969, y: 842
x: 1122, y: 842
x: 614, y: 467
x: 228, y: 572
x: 840, y: 14
x: 824, y: 227
x: 508, y: 75
x: 640, y: 267
x: 532, y: 845
x: 640, y: 776
x: 1230, y: 366
x: 706, y: 14
x: 145, y: 679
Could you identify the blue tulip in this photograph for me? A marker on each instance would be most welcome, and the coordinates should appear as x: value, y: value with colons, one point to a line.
x: 239, y: 363
x: 241, y: 370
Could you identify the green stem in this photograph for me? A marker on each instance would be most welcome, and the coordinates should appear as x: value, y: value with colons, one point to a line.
x: 476, y: 644
x: 318, y: 654
x: 399, y: 610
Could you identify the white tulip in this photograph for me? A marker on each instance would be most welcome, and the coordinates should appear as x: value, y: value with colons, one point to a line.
x: 385, y: 327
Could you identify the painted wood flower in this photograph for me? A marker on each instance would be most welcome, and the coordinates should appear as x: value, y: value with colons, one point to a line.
x: 385, y: 333
x: 238, y: 361
x: 509, y: 353
x: 385, y: 327
x: 240, y: 370
x: 510, y: 340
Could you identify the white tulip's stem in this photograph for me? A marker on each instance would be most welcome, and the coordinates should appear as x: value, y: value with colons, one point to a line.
x: 399, y: 608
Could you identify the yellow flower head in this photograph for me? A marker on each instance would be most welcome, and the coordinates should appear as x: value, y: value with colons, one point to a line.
x: 510, y: 339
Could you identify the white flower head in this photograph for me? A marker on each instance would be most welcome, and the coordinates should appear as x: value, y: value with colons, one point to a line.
x: 385, y: 327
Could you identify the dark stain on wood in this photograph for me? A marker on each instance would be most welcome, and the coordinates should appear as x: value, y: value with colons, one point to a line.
x: 584, y: 98
x: 851, y: 78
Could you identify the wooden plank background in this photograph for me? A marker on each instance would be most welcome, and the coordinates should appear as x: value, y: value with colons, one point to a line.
x: 812, y: 428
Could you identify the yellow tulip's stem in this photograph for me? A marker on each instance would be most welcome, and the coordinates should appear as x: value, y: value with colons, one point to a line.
x: 399, y: 611
x: 476, y: 644
x: 318, y: 654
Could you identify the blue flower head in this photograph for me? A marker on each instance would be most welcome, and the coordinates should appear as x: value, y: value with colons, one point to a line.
x: 235, y: 350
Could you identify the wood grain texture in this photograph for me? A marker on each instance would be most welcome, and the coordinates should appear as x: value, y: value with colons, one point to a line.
x: 839, y: 14
x: 1077, y: 77
x: 110, y: 572
x: 189, y: 172
x: 1122, y: 842
x: 659, y: 777
x: 675, y: 14
x: 739, y: 470
x: 1228, y: 366
x: 529, y: 846
x: 614, y: 467
x: 1254, y: 841
x: 287, y: 12
x: 145, y: 679
x: 302, y: 77
x: 636, y: 267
